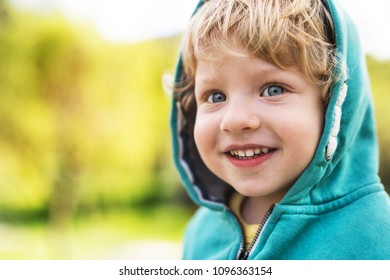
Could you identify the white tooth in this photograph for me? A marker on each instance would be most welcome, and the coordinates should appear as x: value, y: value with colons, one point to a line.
x: 257, y: 151
x: 264, y: 150
x: 249, y: 153
x: 231, y: 152
x: 241, y: 153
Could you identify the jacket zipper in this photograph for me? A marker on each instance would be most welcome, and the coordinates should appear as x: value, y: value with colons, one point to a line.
x: 244, y: 254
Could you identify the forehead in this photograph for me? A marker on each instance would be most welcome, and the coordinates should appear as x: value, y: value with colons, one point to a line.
x: 214, y: 64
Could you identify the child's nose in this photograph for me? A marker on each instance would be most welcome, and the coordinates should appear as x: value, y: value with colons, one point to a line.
x: 240, y: 117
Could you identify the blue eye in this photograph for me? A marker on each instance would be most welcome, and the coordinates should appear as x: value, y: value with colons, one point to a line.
x: 272, y: 91
x: 216, y: 97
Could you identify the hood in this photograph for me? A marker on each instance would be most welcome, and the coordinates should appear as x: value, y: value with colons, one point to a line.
x: 346, y: 158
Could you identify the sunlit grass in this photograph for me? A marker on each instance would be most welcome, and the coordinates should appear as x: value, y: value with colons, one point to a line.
x: 111, y: 235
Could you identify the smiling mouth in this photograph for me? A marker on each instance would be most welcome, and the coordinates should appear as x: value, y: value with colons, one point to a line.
x: 249, y: 153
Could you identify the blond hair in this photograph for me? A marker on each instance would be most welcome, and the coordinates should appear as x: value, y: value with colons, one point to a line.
x: 292, y: 34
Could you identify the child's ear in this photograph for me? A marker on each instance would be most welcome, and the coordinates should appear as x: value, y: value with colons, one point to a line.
x: 168, y: 83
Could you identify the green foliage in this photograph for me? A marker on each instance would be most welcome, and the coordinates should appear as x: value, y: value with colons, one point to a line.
x: 84, y: 123
x: 380, y: 81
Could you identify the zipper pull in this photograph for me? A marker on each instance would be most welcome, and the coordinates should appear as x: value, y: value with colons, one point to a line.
x: 243, y: 255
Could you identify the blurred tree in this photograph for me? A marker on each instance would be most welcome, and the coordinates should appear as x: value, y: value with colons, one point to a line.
x: 380, y: 81
x: 3, y: 11
x: 83, y: 123
x: 60, y: 62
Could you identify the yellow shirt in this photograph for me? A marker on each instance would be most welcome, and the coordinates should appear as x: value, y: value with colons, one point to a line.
x: 249, y: 229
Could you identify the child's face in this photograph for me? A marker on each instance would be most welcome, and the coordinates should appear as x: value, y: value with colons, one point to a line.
x: 257, y: 126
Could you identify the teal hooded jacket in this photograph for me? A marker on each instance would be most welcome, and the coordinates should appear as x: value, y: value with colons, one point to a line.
x: 337, y: 209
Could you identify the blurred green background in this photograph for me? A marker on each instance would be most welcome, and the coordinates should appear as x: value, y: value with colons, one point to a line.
x: 85, y: 161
